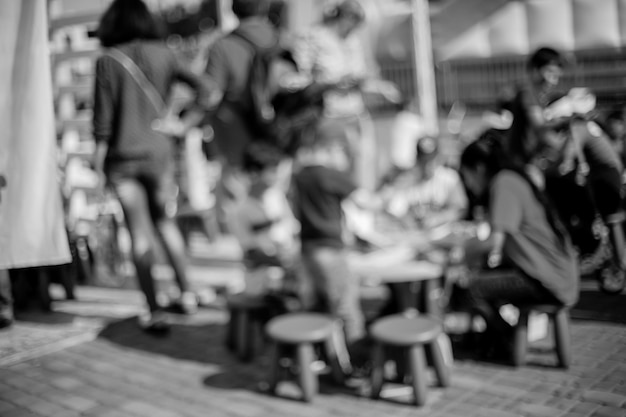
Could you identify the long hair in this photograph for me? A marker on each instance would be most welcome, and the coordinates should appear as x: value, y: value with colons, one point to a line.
x: 128, y: 20
x: 244, y: 9
x: 488, y: 151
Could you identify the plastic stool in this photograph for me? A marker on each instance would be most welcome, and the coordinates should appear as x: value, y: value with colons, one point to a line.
x: 411, y: 334
x: 301, y: 331
x: 559, y: 315
x: 245, y: 325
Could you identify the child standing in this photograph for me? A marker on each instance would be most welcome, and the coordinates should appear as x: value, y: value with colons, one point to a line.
x: 321, y: 185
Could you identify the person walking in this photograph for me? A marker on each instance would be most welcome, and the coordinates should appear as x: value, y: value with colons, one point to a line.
x: 136, y: 158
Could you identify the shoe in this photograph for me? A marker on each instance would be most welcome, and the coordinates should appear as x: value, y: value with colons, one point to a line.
x: 186, y: 304
x: 155, y: 322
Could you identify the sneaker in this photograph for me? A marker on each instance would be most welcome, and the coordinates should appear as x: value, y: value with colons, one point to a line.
x: 186, y: 304
x: 155, y: 322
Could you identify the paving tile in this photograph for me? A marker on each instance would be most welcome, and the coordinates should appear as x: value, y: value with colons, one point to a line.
x: 609, y: 411
x: 536, y: 410
x: 604, y: 398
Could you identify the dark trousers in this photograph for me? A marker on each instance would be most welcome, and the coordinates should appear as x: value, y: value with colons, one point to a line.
x: 488, y: 290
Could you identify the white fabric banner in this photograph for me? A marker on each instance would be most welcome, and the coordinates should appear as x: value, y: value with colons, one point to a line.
x: 32, y: 230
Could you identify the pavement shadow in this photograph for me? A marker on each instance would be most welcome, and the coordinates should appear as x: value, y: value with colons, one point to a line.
x: 196, y: 339
x: 44, y: 317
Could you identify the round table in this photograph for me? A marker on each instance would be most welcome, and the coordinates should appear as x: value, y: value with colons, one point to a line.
x: 404, y: 275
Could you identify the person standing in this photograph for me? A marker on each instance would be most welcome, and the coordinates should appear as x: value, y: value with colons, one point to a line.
x: 228, y: 66
x: 332, y: 55
x: 32, y: 227
x: 136, y: 158
x: 532, y: 126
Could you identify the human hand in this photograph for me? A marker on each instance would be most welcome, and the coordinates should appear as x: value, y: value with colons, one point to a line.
x: 169, y: 126
x: 387, y: 89
x: 494, y: 259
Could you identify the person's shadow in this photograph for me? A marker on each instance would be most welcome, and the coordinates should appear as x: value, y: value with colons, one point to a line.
x: 200, y: 338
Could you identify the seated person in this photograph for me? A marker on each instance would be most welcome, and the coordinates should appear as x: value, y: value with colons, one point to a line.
x: 530, y: 258
x: 263, y: 222
x: 429, y: 194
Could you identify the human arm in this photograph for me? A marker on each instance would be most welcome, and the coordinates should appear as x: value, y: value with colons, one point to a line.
x: 505, y: 218
x: 455, y: 202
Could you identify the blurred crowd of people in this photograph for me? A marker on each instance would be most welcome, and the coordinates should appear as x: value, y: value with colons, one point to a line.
x: 290, y: 202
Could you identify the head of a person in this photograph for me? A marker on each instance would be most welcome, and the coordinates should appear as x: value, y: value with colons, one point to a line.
x: 480, y: 161
x: 245, y: 9
x: 545, y: 66
x: 345, y: 16
x: 260, y: 162
x: 128, y: 20
x: 426, y: 156
x: 326, y: 149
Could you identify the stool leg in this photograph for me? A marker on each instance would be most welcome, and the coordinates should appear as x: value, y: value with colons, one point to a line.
x: 333, y: 360
x: 378, y: 370
x: 276, y: 368
x: 231, y: 331
x: 520, y: 342
x: 241, y: 335
x: 442, y: 368
x: 254, y: 338
x: 561, y: 338
x: 341, y: 350
x: 307, y: 379
x: 417, y: 365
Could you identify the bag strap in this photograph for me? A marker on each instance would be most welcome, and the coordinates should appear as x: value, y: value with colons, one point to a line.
x: 144, y: 83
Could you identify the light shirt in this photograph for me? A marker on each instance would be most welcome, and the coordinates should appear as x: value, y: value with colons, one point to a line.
x: 443, y: 190
x: 329, y: 58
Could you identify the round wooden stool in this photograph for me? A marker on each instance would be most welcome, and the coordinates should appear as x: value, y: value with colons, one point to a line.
x: 245, y: 324
x: 559, y: 315
x: 411, y: 334
x: 299, y: 332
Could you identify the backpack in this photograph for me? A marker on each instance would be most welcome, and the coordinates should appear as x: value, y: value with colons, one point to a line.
x: 277, y: 117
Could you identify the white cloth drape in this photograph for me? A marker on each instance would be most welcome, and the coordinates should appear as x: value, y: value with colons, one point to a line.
x: 32, y: 231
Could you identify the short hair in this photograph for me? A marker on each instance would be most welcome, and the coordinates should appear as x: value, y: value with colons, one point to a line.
x: 249, y: 8
x: 345, y: 8
x: 545, y: 56
x: 128, y: 20
x: 258, y: 156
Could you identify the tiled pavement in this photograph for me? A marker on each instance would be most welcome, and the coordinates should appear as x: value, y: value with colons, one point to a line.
x: 89, y: 358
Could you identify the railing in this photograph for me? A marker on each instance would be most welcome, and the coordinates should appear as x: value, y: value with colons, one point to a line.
x: 479, y: 82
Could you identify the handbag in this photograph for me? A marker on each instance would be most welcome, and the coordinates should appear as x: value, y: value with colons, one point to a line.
x: 167, y: 123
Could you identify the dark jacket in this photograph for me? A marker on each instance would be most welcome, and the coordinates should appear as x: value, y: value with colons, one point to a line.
x: 123, y: 114
x: 228, y: 67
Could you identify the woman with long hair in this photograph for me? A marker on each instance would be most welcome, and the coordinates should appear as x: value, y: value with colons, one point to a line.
x: 529, y: 257
x: 134, y: 76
